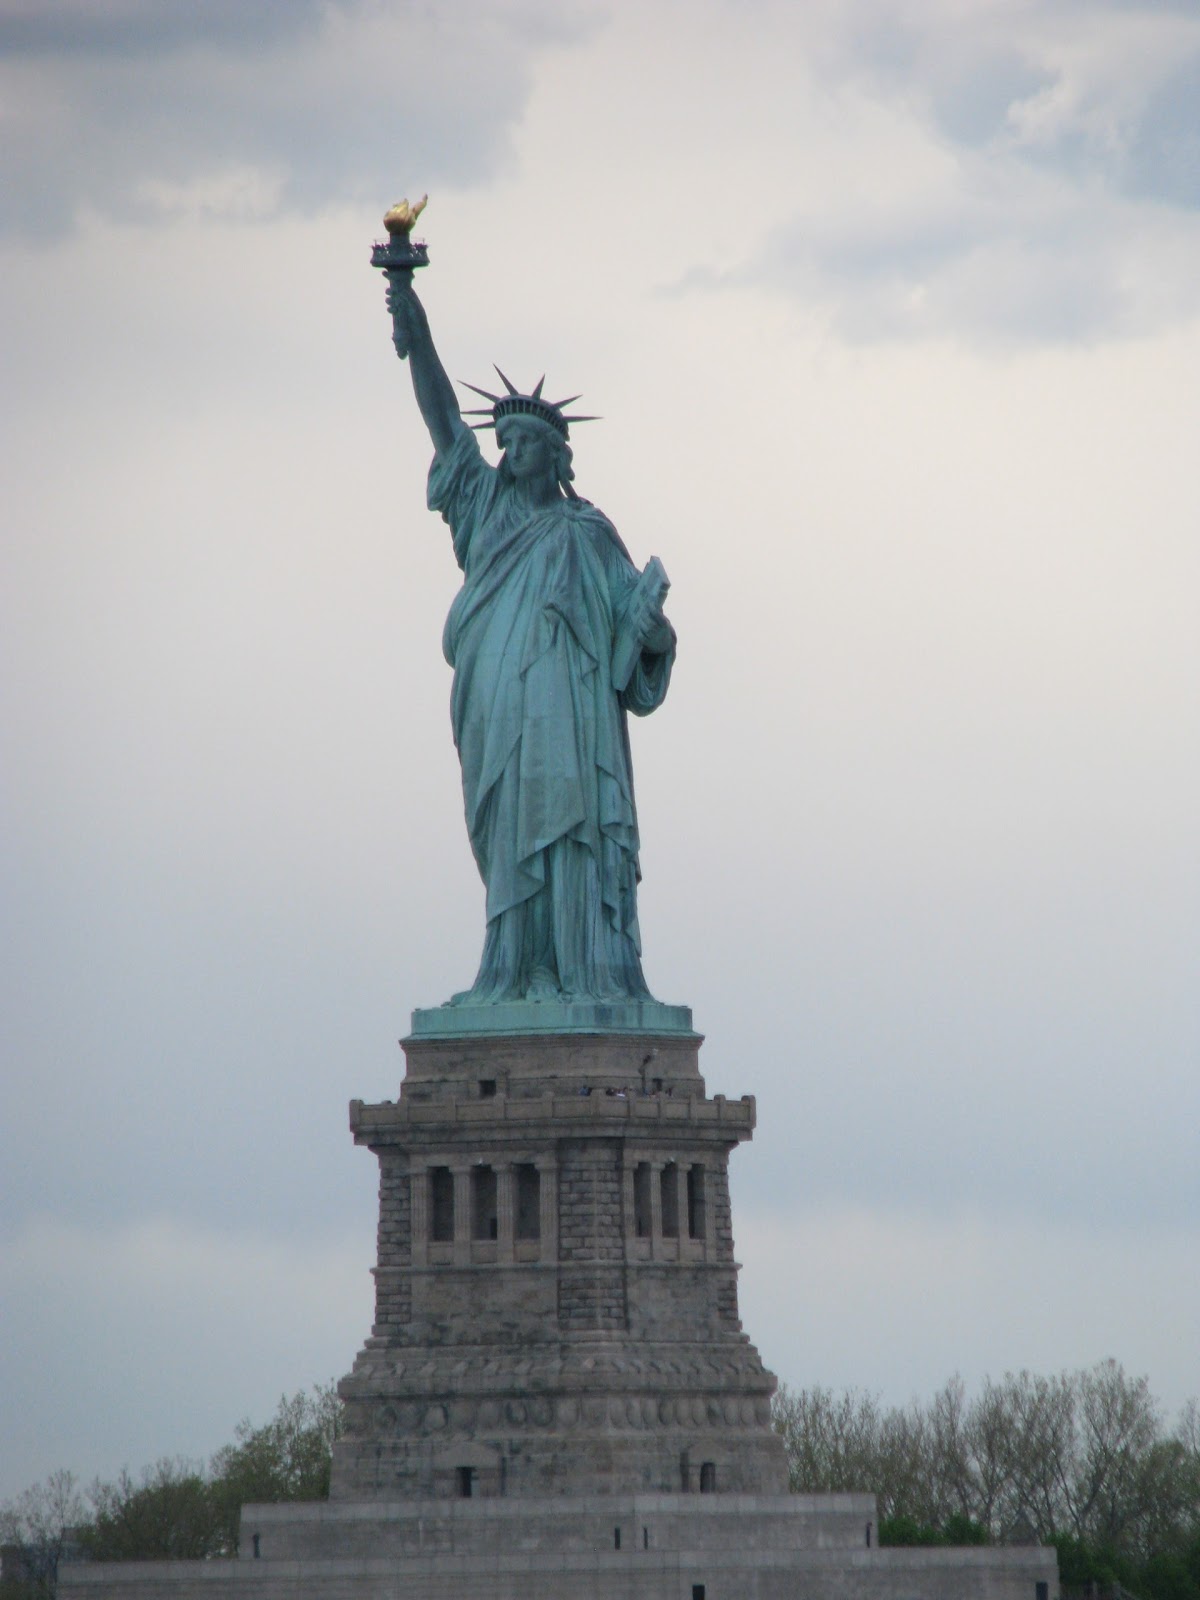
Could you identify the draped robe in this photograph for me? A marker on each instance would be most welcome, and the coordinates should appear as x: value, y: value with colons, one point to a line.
x: 541, y: 733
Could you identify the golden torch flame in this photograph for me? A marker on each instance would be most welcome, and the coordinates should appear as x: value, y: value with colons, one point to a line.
x: 402, y: 217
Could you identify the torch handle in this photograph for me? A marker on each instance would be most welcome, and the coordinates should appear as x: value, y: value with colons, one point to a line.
x: 399, y: 285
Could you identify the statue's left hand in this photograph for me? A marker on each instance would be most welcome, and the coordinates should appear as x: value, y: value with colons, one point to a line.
x: 655, y: 631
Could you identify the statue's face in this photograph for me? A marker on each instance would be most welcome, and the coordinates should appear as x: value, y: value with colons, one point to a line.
x: 528, y: 450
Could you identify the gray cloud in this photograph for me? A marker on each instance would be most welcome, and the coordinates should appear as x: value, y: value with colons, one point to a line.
x: 970, y: 105
x: 49, y: 28
x: 1126, y: 111
x: 1001, y: 273
x: 1163, y: 161
x: 132, y: 109
x: 1138, y: 139
x: 1060, y: 154
x: 964, y: 76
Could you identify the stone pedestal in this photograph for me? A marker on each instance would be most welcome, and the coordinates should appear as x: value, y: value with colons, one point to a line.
x: 556, y: 1292
x: 557, y: 1401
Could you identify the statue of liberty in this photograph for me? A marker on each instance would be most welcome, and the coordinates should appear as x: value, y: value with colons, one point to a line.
x: 554, y: 637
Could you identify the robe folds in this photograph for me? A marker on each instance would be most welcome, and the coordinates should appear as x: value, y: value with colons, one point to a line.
x: 541, y: 733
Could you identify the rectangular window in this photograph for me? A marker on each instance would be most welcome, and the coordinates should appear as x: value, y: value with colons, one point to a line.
x: 483, y: 1203
x: 441, y: 1205
x: 466, y: 1482
x: 529, y: 1201
x: 695, y: 1202
x: 641, y: 1200
x: 670, y: 1202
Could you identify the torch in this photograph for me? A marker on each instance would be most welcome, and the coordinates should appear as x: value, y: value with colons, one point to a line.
x: 399, y: 257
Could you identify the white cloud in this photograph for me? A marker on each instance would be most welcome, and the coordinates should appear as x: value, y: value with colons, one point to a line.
x: 239, y: 193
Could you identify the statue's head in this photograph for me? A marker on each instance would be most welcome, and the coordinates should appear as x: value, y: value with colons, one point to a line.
x: 542, y: 425
x: 533, y: 449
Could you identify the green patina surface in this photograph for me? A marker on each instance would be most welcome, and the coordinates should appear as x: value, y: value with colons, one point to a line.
x: 523, y: 1017
x: 554, y: 638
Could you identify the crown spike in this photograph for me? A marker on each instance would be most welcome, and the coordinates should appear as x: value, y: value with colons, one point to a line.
x: 517, y: 404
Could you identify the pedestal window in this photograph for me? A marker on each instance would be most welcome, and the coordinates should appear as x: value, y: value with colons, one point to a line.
x: 441, y: 1205
x: 669, y: 1182
x: 643, y: 1213
x: 529, y: 1201
x: 484, y: 1215
x: 695, y: 1201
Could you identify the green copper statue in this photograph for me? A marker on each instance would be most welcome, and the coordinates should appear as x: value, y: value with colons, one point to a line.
x: 554, y: 637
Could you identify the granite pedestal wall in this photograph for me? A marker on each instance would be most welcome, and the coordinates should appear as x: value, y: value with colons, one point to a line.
x: 556, y: 1293
x: 557, y: 1399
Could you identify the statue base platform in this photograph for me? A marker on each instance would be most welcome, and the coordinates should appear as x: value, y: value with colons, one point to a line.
x: 505, y: 1018
x: 625, y: 1547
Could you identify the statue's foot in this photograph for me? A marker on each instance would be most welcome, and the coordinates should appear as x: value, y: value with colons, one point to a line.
x: 542, y: 986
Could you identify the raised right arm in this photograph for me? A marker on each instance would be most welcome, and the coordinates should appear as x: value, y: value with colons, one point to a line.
x: 435, y: 393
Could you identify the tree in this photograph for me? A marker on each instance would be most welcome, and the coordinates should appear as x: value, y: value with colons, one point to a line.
x: 171, y: 1513
x: 1117, y: 1430
x: 176, y: 1509
x: 1083, y: 1461
x: 1038, y: 1417
x: 287, y: 1459
x: 42, y: 1524
x: 832, y: 1441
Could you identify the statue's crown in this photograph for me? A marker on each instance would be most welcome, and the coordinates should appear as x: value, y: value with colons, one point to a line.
x: 516, y: 404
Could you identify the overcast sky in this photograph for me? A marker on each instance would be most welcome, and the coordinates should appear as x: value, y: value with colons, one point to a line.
x: 892, y: 311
